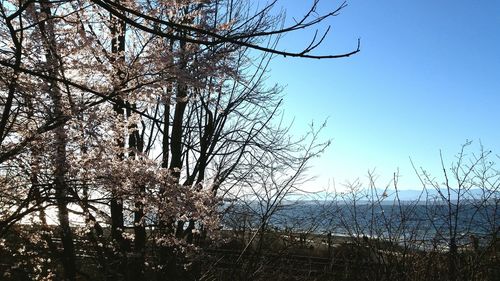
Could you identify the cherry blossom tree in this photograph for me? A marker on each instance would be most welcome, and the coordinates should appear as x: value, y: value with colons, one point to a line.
x: 131, y: 120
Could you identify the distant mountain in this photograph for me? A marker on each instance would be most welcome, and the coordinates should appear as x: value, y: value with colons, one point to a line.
x: 390, y: 195
x: 411, y: 194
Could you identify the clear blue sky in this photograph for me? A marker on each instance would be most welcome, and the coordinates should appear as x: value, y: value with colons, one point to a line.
x: 427, y: 79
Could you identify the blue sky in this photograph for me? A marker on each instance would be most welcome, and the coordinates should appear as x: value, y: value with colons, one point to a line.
x: 427, y: 79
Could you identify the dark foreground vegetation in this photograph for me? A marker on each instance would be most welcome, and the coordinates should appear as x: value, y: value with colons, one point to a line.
x: 347, y: 258
x: 273, y: 255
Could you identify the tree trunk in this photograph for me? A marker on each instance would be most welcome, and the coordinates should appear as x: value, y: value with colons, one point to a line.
x: 118, y: 29
x: 60, y: 141
x: 136, y: 146
x: 62, y: 204
x: 452, y: 260
x: 177, y: 131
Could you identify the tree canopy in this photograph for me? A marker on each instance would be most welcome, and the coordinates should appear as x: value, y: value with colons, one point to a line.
x: 133, y: 119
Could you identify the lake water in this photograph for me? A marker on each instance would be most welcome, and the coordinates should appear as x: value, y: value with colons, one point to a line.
x: 428, y: 224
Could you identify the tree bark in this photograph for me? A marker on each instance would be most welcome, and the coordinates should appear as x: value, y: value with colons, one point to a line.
x: 136, y: 146
x: 177, y: 131
x: 118, y: 29
x: 60, y: 142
